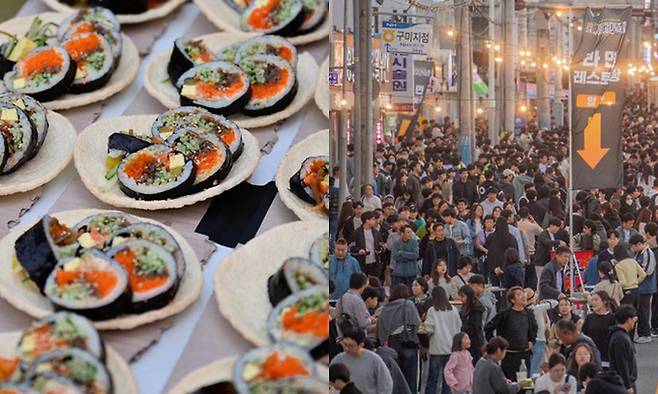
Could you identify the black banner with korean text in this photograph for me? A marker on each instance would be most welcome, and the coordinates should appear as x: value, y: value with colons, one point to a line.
x: 597, y: 99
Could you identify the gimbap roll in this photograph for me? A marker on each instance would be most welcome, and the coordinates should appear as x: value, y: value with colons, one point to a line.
x: 314, y: 13
x: 19, y: 135
x: 211, y: 156
x: 156, y: 172
x: 273, y: 84
x: 174, y: 119
x: 34, y: 110
x: 281, y: 17
x: 268, y: 45
x: 92, y: 285
x: 39, y: 249
x: 75, y: 365
x: 311, y: 182
x: 156, y: 234
x: 227, y: 54
x: 94, y: 20
x: 220, y: 87
x: 303, y: 319
x: 94, y: 61
x: 185, y: 55
x: 319, y: 253
x: 60, y: 330
x: 119, y: 145
x: 151, y: 271
x: 96, y: 231
x: 296, y: 274
x: 266, y: 369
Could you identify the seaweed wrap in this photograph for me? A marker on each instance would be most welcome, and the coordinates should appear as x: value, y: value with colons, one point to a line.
x: 303, y: 319
x: 220, y: 87
x: 273, y: 84
x: 96, y: 231
x: 19, y: 135
x: 185, y: 55
x: 94, y: 61
x: 268, y: 45
x: 125, y: 143
x: 217, y: 388
x: 60, y: 330
x: 211, y: 156
x: 319, y: 252
x: 76, y: 366
x: 45, y: 74
x: 281, y: 17
x: 152, y: 273
x: 311, y: 182
x: 4, y: 153
x: 156, y: 172
x: 296, y: 274
x: 156, y: 234
x: 39, y: 248
x: 268, y: 369
x: 122, y: 7
x: 92, y: 285
x: 315, y: 11
x: 34, y: 110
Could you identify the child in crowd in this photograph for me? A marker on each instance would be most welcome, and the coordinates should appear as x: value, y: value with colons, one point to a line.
x: 459, y: 370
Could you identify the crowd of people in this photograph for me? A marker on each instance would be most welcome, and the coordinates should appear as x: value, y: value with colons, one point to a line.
x: 453, y: 278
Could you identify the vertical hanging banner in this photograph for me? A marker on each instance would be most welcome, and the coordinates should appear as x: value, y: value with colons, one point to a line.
x: 597, y: 89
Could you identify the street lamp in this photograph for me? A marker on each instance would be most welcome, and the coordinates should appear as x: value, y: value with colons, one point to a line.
x: 437, y: 109
x: 389, y: 106
x: 523, y: 108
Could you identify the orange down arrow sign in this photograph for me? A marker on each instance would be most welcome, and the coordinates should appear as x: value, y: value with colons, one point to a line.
x: 593, y: 152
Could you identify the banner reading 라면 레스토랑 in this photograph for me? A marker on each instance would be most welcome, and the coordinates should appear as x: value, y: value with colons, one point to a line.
x: 597, y: 89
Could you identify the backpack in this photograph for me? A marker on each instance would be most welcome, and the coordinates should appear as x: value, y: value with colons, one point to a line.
x: 344, y: 321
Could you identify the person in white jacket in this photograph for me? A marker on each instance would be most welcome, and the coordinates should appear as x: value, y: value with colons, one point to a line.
x: 541, y: 317
x: 442, y: 322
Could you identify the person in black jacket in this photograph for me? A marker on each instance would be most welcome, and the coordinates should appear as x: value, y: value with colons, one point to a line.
x: 547, y: 241
x: 366, y: 244
x: 352, y: 222
x: 496, y: 245
x: 465, y: 188
x: 518, y: 326
x: 621, y: 350
x: 339, y: 379
x: 440, y: 248
x: 596, y: 382
x: 471, y: 315
x: 513, y: 272
x: 551, y: 280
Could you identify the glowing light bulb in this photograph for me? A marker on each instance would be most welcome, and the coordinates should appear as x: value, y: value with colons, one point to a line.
x: 437, y: 109
x: 523, y: 108
x: 451, y: 33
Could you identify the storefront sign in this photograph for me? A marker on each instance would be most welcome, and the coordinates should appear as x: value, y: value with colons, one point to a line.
x: 406, y: 37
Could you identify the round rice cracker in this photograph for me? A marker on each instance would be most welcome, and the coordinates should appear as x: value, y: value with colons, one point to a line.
x: 221, y: 371
x: 158, y: 85
x: 54, y: 155
x: 123, y: 76
x: 247, y: 305
x: 91, y: 150
x: 322, y: 89
x: 122, y: 377
x: 154, y: 13
x: 29, y: 300
x: 314, y: 145
x: 228, y: 20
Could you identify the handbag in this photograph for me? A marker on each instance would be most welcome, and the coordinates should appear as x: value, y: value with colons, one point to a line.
x: 409, y: 334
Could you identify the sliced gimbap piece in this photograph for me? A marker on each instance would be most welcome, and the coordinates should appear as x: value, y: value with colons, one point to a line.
x: 45, y: 74
x: 303, y: 319
x: 268, y: 45
x: 266, y: 369
x: 19, y: 134
x: 174, y: 119
x: 39, y: 248
x: 119, y: 145
x: 282, y: 17
x: 314, y: 13
x: 185, y: 55
x: 238, y: 5
x: 156, y: 172
x: 94, y: 20
x: 75, y: 365
x: 14, y: 388
x: 273, y: 84
x: 94, y: 61
x: 311, y: 182
x: 35, y: 111
x: 228, y: 53
x: 211, y: 156
x: 231, y: 134
x: 152, y: 273
x: 17, y: 47
x: 319, y: 253
x: 296, y: 274
x: 220, y: 87
x: 92, y: 285
x: 60, y: 330
x: 156, y: 234
x: 96, y: 231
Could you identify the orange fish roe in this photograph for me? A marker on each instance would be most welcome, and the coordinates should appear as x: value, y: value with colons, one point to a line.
x: 207, y: 160
x: 265, y: 90
x: 285, y: 53
x: 41, y: 61
x: 7, y: 368
x: 281, y: 366
x: 209, y: 91
x: 136, y: 167
x: 78, y: 48
x: 104, y: 281
x: 260, y: 17
x: 229, y: 137
x: 85, y: 27
x: 315, y: 323
x: 138, y: 284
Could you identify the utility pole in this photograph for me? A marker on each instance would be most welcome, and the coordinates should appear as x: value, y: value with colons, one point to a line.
x: 543, y: 102
x: 559, y: 86
x: 491, y: 114
x: 465, y: 87
x: 357, y: 125
x: 509, y: 84
x: 342, y: 132
x: 368, y: 140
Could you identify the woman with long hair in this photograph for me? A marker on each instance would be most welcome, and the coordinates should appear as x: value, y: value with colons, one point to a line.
x: 420, y: 296
x: 471, y: 317
x: 608, y: 282
x: 513, y: 271
x: 440, y: 276
x: 443, y: 322
x: 597, y: 325
x: 475, y: 221
x: 580, y: 355
x: 496, y: 244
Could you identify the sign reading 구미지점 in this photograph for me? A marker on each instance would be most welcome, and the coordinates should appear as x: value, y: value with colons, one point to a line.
x: 406, y: 37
